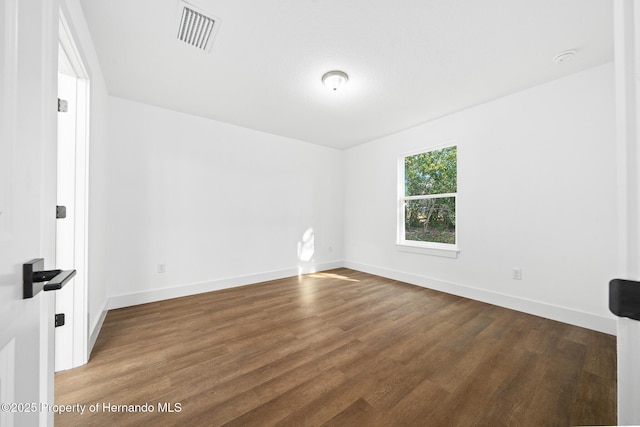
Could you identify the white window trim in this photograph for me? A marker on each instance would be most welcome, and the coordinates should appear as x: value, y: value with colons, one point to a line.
x: 425, y: 248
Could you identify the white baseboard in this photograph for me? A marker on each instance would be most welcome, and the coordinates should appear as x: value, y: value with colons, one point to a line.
x: 137, y: 298
x: 548, y: 311
x: 95, y: 328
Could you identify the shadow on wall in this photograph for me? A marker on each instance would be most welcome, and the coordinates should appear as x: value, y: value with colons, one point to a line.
x: 306, y: 252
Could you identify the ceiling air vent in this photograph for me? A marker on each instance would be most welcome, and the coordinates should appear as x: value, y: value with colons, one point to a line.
x: 196, y: 27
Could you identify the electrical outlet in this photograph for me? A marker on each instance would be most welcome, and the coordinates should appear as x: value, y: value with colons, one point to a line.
x: 516, y: 273
x: 162, y: 268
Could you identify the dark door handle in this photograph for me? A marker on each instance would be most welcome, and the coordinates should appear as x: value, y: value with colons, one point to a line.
x: 35, y: 278
x: 624, y: 298
x: 59, y: 280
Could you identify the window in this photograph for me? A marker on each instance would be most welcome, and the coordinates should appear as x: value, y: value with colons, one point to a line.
x: 427, y: 202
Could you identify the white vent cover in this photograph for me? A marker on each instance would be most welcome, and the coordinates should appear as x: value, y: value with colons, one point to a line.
x: 196, y: 27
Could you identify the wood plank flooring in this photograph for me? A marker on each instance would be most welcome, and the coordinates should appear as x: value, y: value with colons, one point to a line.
x: 340, y: 348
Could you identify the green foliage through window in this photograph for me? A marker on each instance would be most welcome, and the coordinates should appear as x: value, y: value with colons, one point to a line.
x: 430, y: 187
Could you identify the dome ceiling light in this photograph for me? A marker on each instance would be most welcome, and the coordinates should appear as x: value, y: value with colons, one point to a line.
x: 334, y: 80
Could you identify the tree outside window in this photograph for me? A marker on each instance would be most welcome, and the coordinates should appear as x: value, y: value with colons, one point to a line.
x: 428, y: 202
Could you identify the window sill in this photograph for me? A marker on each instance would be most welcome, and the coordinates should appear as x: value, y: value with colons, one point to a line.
x: 441, y: 252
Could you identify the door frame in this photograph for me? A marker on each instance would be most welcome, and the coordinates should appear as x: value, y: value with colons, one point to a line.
x: 627, y: 87
x: 80, y: 350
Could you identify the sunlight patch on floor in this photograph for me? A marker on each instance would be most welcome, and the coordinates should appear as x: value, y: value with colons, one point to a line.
x: 331, y: 276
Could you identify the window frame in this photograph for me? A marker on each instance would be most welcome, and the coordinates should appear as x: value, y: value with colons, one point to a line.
x: 449, y: 250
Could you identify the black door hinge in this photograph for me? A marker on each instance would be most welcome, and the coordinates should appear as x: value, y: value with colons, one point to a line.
x: 63, y: 106
x: 61, y: 211
x: 59, y: 319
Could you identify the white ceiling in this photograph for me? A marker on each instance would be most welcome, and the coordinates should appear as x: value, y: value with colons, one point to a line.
x: 409, y: 61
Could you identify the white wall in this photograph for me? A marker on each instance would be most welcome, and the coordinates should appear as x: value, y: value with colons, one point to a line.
x: 537, y: 177
x: 98, y: 167
x: 220, y: 205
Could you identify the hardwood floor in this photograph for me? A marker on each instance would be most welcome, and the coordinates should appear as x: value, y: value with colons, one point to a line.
x: 340, y: 348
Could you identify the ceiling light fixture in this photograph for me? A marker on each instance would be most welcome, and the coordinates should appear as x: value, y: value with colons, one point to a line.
x: 564, y: 56
x: 334, y: 80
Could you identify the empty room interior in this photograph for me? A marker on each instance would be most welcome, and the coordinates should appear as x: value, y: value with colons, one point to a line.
x: 322, y: 212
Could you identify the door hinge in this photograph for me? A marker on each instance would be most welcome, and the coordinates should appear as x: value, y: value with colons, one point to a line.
x: 63, y: 106
x: 59, y: 319
x: 61, y: 211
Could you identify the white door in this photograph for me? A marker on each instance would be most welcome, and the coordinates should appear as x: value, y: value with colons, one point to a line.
x: 27, y: 206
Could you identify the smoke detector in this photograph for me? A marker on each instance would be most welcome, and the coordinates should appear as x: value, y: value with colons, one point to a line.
x: 196, y: 27
x: 565, y: 56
